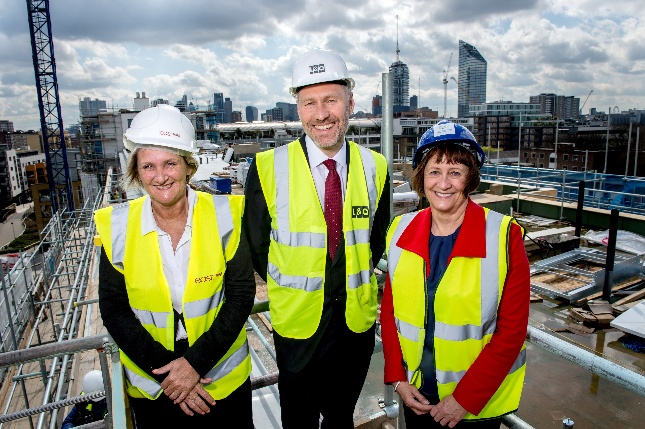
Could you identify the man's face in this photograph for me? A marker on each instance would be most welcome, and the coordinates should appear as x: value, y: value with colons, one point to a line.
x: 324, y: 110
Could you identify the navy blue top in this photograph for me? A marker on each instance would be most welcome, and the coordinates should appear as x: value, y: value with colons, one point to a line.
x: 440, y: 249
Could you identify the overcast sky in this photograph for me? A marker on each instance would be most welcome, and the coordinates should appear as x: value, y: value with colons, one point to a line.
x: 245, y: 49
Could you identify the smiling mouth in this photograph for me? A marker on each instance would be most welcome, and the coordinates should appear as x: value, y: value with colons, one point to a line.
x: 323, y: 127
x: 443, y: 195
x: 163, y: 187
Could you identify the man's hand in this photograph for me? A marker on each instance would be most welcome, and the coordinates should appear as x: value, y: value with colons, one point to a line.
x: 413, y: 398
x: 448, y: 412
x: 197, y: 401
x: 180, y: 380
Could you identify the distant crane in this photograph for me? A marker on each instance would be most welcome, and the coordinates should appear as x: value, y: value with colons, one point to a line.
x: 445, y: 86
x: 583, y: 104
x: 470, y: 100
x: 51, y: 121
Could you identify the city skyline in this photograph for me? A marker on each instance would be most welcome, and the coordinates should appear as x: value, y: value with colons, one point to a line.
x: 246, y: 51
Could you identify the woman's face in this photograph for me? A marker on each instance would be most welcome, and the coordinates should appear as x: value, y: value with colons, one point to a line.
x: 444, y: 186
x: 163, y: 175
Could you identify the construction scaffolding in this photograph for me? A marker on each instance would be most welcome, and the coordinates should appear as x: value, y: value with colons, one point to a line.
x: 99, y: 143
x: 43, y: 296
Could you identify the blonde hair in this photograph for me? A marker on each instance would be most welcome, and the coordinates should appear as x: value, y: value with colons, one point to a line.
x: 131, y: 177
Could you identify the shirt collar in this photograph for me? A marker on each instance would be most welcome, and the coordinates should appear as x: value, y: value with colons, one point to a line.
x: 471, y: 240
x: 148, y: 223
x: 317, y: 157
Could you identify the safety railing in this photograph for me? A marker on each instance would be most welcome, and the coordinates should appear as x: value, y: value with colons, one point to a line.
x: 110, y: 368
x: 604, y: 191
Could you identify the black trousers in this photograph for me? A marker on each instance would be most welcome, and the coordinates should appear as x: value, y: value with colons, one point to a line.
x: 234, y: 411
x: 425, y: 421
x: 330, y: 383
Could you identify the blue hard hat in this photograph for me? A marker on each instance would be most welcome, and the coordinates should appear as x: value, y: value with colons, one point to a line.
x: 448, y: 132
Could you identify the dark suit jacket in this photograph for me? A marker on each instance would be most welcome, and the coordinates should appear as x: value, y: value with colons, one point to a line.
x: 293, y: 355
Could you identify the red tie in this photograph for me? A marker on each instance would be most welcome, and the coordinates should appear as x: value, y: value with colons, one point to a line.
x: 333, y: 208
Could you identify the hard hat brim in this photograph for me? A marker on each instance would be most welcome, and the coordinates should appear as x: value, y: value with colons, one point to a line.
x: 132, y: 145
x: 349, y: 82
x: 476, y: 150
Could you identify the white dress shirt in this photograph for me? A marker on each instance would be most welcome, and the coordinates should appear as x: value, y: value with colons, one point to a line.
x: 175, y: 262
x: 319, y: 171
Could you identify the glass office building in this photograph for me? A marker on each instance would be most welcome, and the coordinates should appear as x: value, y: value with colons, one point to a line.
x: 400, y: 83
x: 472, y: 78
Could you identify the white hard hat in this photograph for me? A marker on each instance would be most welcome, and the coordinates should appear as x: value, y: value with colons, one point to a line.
x: 318, y: 66
x: 93, y: 382
x: 163, y: 126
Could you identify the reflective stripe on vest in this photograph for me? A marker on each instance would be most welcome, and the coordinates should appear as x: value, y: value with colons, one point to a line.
x: 119, y: 228
x: 147, y: 317
x: 489, y: 290
x: 200, y: 302
x: 394, y: 252
x: 445, y: 377
x: 297, y: 251
x: 229, y: 364
x: 150, y: 386
x: 455, y: 344
x: 283, y: 235
x: 307, y: 284
x: 203, y: 306
x: 407, y: 330
x: 224, y: 221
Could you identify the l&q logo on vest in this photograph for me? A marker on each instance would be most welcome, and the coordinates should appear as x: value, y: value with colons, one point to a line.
x: 360, y: 212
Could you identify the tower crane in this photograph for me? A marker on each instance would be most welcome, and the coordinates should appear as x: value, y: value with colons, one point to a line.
x: 583, y: 104
x: 470, y: 100
x: 445, y: 87
x: 51, y: 121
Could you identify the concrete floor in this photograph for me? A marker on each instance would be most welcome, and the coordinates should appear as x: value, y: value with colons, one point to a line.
x: 556, y: 388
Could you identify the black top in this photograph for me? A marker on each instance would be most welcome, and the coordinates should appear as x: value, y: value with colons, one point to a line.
x: 148, y: 354
x: 294, y: 354
x: 440, y: 250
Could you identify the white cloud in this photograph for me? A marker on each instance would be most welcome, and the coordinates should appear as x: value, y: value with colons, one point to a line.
x: 247, y: 49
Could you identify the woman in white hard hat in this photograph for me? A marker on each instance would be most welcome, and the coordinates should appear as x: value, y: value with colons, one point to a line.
x: 455, y: 305
x: 165, y: 260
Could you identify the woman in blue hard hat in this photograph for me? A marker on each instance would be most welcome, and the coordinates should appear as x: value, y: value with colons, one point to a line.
x: 176, y: 284
x: 455, y: 306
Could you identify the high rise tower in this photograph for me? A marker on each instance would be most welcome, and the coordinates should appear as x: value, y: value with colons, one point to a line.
x: 400, y: 78
x: 472, y: 78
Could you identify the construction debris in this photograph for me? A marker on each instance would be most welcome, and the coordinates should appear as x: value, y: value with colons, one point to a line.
x: 580, y: 274
x: 632, y: 321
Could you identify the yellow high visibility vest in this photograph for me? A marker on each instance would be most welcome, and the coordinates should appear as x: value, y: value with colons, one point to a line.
x: 459, y: 335
x: 298, y: 248
x: 217, y: 223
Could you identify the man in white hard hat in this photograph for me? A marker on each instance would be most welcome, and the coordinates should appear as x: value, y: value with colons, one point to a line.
x: 92, y: 410
x: 316, y: 224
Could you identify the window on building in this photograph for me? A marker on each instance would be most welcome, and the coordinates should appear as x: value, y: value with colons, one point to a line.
x: 533, y: 155
x: 575, y: 157
x: 526, y: 154
x: 565, y: 157
x: 564, y: 167
x: 584, y: 158
x: 541, y: 156
x: 574, y: 168
x: 541, y: 165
